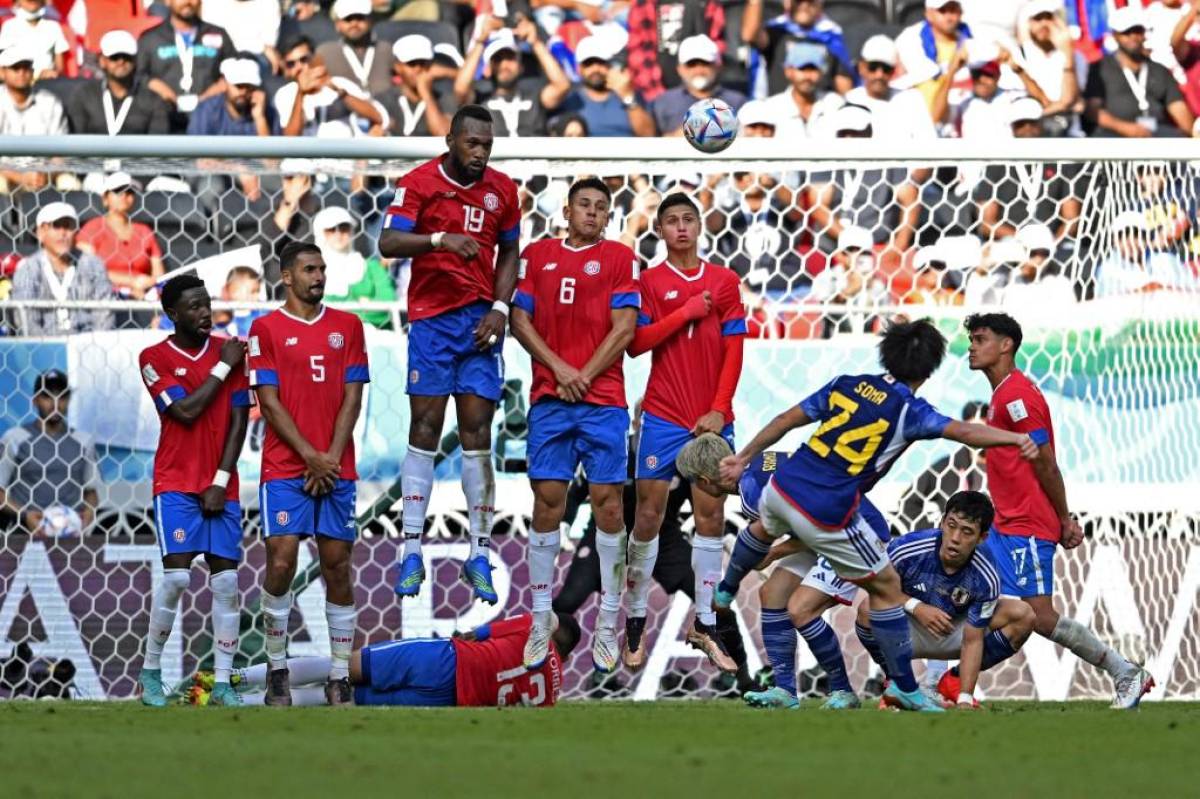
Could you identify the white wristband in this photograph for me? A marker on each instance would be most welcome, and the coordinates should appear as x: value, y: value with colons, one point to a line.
x: 501, y: 306
x: 965, y: 698
x: 221, y: 371
x: 910, y: 606
x: 435, y: 239
x: 221, y: 478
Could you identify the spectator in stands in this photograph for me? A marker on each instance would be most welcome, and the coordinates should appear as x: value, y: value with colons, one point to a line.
x: 850, y: 280
x: 982, y: 115
x: 242, y: 110
x: 755, y: 120
x: 357, y: 55
x: 932, y: 52
x: 1048, y: 64
x: 304, y: 18
x: 118, y: 104
x: 604, y: 96
x: 519, y: 104
x: 413, y: 106
x: 803, y: 21
x: 349, y: 277
x: 985, y: 285
x: 42, y: 38
x: 252, y: 25
x: 800, y: 110
x: 900, y: 113
x: 699, y: 65
x: 571, y: 126
x: 752, y: 239
x: 932, y: 284
x: 923, y: 504
x: 181, y: 59
x: 1038, y: 287
x: 1130, y: 96
x: 1132, y: 268
x: 1185, y: 51
x: 657, y: 28
x: 46, y: 465
x: 59, y: 271
x: 26, y: 111
x: 129, y: 249
x: 331, y: 106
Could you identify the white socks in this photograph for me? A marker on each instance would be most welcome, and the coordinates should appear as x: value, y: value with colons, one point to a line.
x: 340, y: 619
x: 611, y: 549
x: 543, y: 553
x: 642, y: 555
x: 416, y: 481
x: 1083, y: 642
x: 224, y: 587
x: 301, y: 671
x: 163, y: 607
x: 706, y: 564
x: 479, y: 487
x: 276, y: 612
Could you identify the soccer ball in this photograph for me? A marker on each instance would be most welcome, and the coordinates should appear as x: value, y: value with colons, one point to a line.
x: 710, y: 125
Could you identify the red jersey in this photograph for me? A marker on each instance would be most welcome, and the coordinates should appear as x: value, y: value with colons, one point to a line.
x: 1022, y: 507
x: 491, y: 672
x: 685, y: 368
x: 310, y: 363
x: 189, y: 455
x: 428, y: 201
x: 571, y: 295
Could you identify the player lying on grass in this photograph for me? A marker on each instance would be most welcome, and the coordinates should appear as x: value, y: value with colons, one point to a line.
x: 481, y: 668
x: 865, y: 422
x: 954, y: 601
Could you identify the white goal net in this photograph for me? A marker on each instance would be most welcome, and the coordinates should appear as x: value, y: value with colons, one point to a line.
x: 1095, y: 253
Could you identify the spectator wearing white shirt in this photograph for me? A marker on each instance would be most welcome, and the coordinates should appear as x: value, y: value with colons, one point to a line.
x: 253, y: 25
x: 1048, y: 65
x: 42, y: 37
x: 896, y: 113
x: 850, y: 280
x: 331, y: 106
x: 1131, y: 268
x: 26, y: 111
x: 983, y: 115
x: 1037, y: 287
x: 800, y: 111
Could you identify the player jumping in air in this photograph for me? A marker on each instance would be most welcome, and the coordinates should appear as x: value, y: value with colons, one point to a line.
x: 693, y: 321
x: 308, y: 364
x: 865, y: 422
x: 198, y: 382
x: 1032, y: 515
x: 459, y: 221
x: 576, y: 310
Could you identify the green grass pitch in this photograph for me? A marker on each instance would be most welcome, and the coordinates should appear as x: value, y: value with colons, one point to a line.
x: 658, y: 750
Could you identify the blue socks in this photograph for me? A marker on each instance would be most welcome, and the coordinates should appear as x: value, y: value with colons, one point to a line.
x: 890, y: 628
x: 779, y: 639
x: 867, y: 639
x: 747, y: 553
x: 996, y: 648
x: 823, y: 642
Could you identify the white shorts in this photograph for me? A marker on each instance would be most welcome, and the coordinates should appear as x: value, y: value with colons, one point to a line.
x: 854, y: 552
x: 927, y: 645
x: 817, y: 573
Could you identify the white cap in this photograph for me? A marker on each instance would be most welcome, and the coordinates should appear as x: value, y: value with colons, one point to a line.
x: 503, y: 40
x: 698, y: 48
x: 1035, y: 7
x: 331, y: 217
x: 1008, y: 251
x: 1036, y: 236
x: 350, y: 8
x: 592, y: 48
x: 756, y: 112
x: 52, y: 212
x: 927, y: 255
x: 961, y: 252
x: 934, y: 5
x: 117, y: 180
x: 880, y: 48
x: 855, y: 237
x: 17, y: 54
x: 118, y: 43
x: 297, y: 166
x: 851, y: 117
x: 980, y: 52
x: 1024, y: 108
x: 448, y: 51
x: 413, y: 47
x: 1125, y: 18
x: 241, y: 72
x: 1126, y: 220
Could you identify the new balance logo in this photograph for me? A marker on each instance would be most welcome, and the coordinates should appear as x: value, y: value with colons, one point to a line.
x: 670, y: 295
x: 181, y: 371
x: 549, y: 267
x: 291, y: 341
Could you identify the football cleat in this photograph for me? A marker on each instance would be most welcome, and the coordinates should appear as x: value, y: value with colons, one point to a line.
x: 949, y: 686
x: 223, y: 695
x: 705, y: 638
x: 412, y: 574
x: 633, y: 654
x: 916, y: 701
x: 537, y: 645
x: 477, y: 572
x: 605, y: 650
x: 153, y: 693
x: 773, y: 698
x: 338, y: 693
x: 722, y: 599
x: 279, y: 688
x: 1131, y: 687
x: 842, y: 700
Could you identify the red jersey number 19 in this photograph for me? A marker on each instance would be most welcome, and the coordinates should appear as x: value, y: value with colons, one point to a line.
x: 472, y: 219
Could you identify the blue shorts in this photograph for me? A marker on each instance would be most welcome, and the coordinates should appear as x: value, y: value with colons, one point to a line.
x: 442, y: 359
x: 183, y: 527
x: 660, y: 443
x: 561, y: 434
x: 1025, y: 563
x: 418, y: 672
x: 287, y: 510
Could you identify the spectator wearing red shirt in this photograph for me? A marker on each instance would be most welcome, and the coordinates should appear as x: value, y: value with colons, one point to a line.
x: 129, y: 250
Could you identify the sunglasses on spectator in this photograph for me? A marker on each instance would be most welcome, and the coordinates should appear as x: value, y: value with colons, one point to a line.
x: 1044, y: 16
x: 879, y: 66
x: 298, y: 61
x: 1136, y: 30
x: 64, y: 224
x: 345, y: 227
x: 594, y: 61
x: 122, y: 190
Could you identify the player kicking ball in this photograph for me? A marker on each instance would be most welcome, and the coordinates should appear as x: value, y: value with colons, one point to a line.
x: 693, y: 322
x: 864, y: 423
x: 575, y: 312
x: 308, y: 364
x: 198, y: 383
x: 459, y: 221
x: 1032, y: 515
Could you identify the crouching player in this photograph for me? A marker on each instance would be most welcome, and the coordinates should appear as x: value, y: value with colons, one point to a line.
x: 954, y: 599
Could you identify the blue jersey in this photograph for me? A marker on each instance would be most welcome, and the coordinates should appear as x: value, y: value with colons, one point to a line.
x: 760, y: 471
x: 972, y: 591
x: 864, y: 423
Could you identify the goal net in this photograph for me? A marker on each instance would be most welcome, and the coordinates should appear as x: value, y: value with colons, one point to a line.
x: 1095, y: 252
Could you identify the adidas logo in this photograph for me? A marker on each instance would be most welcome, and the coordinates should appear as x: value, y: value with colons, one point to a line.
x: 920, y: 587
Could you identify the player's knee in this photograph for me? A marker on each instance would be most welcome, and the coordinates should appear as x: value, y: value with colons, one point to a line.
x: 476, y: 436
x: 280, y: 567
x: 1021, y: 625
x: 610, y: 512
x: 862, y: 614
x: 423, y: 431
x: 649, y: 517
x: 801, y: 614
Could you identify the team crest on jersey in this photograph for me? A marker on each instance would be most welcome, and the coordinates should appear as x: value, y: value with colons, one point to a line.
x: 491, y: 202
x: 651, y: 461
x: 414, y: 376
x: 337, y: 341
x: 591, y: 268
x: 179, y: 535
x: 281, y: 518
x: 960, y: 596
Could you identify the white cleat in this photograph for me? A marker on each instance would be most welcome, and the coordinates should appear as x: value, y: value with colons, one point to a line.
x: 537, y: 646
x: 1131, y: 687
x: 605, y: 649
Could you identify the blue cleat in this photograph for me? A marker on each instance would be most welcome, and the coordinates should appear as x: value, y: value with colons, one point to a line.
x: 477, y: 572
x: 773, y: 698
x: 722, y: 599
x: 916, y: 700
x: 153, y: 694
x: 412, y: 574
x: 223, y: 695
x: 842, y: 700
